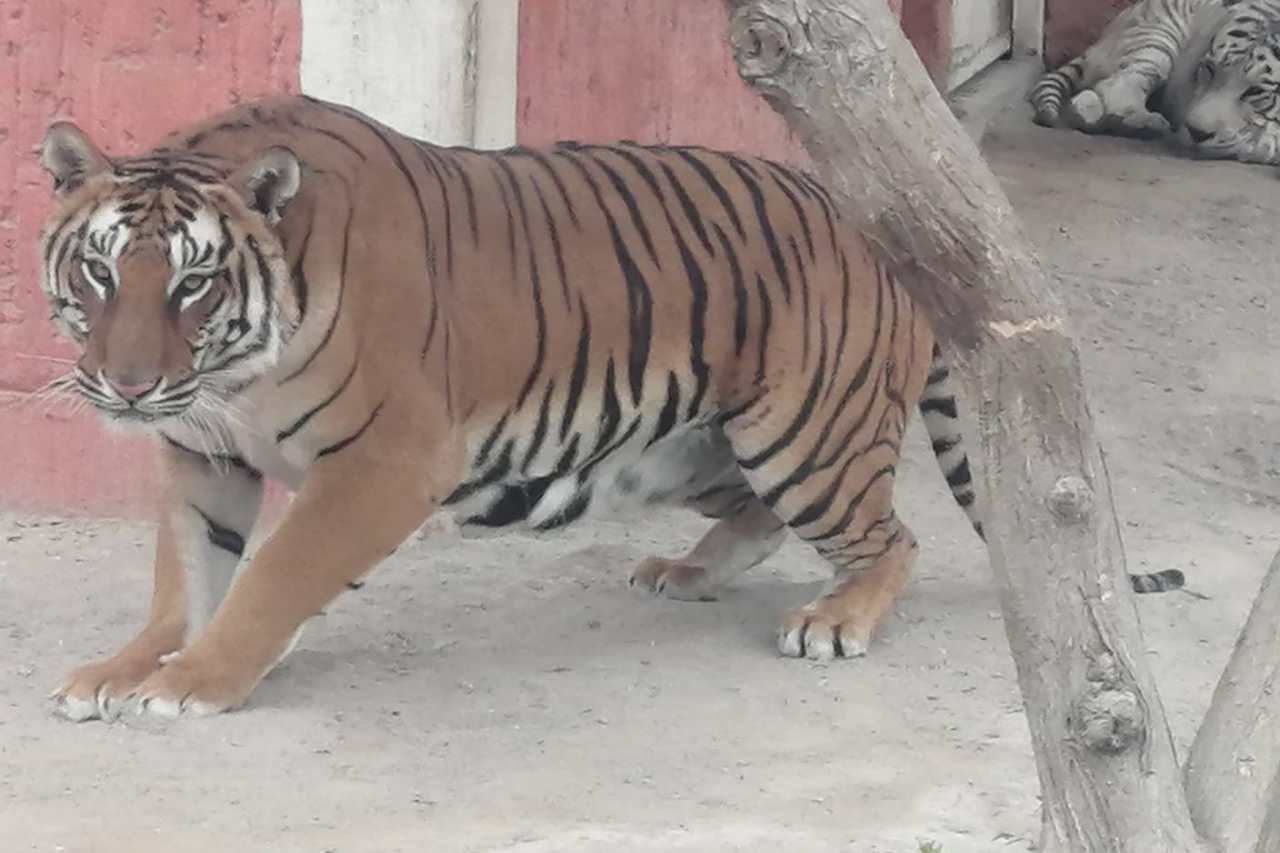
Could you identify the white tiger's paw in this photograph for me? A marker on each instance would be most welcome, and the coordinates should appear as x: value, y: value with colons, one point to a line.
x: 1088, y: 109
x: 673, y: 579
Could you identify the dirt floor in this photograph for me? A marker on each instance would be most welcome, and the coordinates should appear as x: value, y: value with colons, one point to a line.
x: 511, y: 694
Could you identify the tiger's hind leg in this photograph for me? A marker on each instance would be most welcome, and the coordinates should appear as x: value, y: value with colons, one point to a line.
x: 872, y: 567
x: 746, y: 533
x: 844, y: 508
x: 696, y: 468
x: 825, y: 466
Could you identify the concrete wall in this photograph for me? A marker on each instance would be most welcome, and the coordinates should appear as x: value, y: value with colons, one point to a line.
x: 668, y: 74
x: 127, y: 79
x: 1072, y: 25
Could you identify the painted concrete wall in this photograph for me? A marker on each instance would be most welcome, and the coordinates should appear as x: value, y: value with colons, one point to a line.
x: 668, y: 74
x: 1072, y: 25
x: 128, y: 79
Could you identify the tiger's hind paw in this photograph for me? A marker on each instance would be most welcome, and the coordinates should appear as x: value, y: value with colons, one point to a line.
x: 820, y: 632
x: 673, y: 579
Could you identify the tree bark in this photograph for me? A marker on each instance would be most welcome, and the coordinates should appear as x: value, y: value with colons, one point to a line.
x: 888, y: 147
x: 1233, y: 771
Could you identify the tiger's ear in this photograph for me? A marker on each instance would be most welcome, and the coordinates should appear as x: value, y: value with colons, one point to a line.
x: 70, y: 157
x: 270, y: 182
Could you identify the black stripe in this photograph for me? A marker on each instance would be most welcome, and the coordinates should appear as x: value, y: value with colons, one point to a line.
x: 221, y: 536
x: 819, y: 509
x: 541, y: 428
x: 610, y: 411
x: 236, y: 462
x: 535, y: 283
x: 806, y: 319
x: 290, y: 430
x: 623, y: 191
x: 549, y: 166
x: 639, y: 297
x: 793, y: 429
x: 697, y: 324
x: 766, y: 323
x: 578, y: 378
x: 514, y: 505
x: 424, y: 156
x: 844, y: 320
x: 945, y: 406
x: 337, y: 308
x: 344, y: 443
x: 710, y: 179
x: 774, y: 171
x: 959, y: 475
x: 491, y: 440
x: 670, y: 408
x: 945, y: 445
x: 766, y: 227
x: 557, y: 251
x: 741, y: 318
x: 690, y: 209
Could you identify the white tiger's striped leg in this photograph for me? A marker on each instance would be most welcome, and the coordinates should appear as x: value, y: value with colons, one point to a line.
x: 1118, y: 103
x: 209, y: 508
x: 746, y: 534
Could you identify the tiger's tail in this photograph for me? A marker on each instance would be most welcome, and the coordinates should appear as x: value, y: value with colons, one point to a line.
x: 1054, y: 89
x: 941, y: 418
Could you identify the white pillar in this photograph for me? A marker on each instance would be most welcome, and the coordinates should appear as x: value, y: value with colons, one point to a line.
x: 440, y: 70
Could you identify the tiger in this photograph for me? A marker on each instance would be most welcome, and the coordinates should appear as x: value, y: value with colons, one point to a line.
x: 291, y: 291
x: 1205, y: 73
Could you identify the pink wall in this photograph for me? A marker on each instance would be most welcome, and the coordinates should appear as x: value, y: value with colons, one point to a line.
x: 662, y: 72
x: 1072, y: 25
x: 128, y: 71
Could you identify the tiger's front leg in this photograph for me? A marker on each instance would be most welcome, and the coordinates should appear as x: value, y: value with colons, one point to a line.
x: 356, y: 505
x: 209, y: 510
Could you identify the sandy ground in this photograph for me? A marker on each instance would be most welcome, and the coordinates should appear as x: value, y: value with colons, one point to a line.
x: 511, y: 694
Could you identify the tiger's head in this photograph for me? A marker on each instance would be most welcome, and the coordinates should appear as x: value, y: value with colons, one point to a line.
x: 1224, y: 92
x: 167, y: 273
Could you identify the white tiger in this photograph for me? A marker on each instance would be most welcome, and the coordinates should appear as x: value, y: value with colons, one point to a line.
x: 1208, y: 70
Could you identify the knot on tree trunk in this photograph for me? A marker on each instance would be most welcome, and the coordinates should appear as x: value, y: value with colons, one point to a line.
x: 762, y: 44
x: 1071, y: 499
x: 1109, y: 718
x: 1111, y: 721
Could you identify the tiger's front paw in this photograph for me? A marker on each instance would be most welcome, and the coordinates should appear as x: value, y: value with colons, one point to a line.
x: 192, y: 686
x: 99, y: 691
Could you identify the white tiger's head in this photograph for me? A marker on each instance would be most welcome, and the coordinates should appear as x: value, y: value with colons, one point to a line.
x: 167, y: 273
x: 1224, y: 94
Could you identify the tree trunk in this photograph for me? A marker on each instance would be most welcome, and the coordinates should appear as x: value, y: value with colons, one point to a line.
x: 888, y: 147
x: 1233, y: 772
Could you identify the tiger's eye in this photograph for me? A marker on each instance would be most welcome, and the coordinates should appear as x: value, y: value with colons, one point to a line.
x: 99, y: 271
x: 191, y: 284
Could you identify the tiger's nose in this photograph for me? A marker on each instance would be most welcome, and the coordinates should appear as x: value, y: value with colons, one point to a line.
x: 128, y: 388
